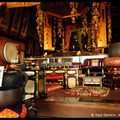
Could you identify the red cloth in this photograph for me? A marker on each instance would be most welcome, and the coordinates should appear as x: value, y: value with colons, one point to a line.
x: 52, y: 87
x: 54, y: 76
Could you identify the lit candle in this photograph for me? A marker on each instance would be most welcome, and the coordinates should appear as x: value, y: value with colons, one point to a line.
x: 73, y: 47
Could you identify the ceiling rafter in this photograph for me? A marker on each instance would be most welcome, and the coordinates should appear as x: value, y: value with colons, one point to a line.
x: 20, y: 4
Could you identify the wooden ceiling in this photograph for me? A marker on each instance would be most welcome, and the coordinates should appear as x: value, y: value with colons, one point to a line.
x: 20, y: 4
x: 63, y: 8
x: 58, y: 9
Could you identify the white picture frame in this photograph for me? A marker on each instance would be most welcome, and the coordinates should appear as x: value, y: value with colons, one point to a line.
x: 1, y: 75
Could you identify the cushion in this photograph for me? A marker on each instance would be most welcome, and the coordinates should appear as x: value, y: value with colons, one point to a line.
x: 54, y: 76
x: 113, y: 61
x: 18, y: 111
x: 88, y: 91
x: 52, y: 87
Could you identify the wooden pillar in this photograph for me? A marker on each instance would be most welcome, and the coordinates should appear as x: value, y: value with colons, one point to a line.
x: 102, y: 41
x: 47, y: 32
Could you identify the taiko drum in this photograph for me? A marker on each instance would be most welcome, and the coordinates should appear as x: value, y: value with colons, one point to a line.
x: 8, y: 51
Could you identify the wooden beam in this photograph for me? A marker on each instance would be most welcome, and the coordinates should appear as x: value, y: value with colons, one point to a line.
x: 79, y: 14
x: 32, y: 3
x: 53, y: 14
x: 20, y: 4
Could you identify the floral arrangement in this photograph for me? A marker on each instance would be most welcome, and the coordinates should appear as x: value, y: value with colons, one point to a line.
x: 45, y: 55
x: 79, y: 53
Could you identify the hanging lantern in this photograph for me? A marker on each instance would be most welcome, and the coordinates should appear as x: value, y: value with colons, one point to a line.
x: 84, y: 20
x: 95, y: 14
x: 109, y: 23
x: 54, y: 32
x: 95, y: 22
x: 60, y: 27
x: 74, y: 6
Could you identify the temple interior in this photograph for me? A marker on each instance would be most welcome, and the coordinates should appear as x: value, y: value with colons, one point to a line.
x: 59, y: 59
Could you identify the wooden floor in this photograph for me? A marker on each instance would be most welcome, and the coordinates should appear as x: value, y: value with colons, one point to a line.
x: 60, y: 105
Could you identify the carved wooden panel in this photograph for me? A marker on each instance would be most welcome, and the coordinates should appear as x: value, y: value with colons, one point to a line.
x: 16, y: 22
x: 25, y: 24
x: 5, y: 19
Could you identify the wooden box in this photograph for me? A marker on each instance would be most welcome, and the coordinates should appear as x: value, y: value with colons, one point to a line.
x: 71, y: 77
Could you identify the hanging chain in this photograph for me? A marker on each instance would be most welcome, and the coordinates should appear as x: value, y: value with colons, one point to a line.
x: 54, y: 32
x: 109, y: 23
x: 60, y: 27
x: 40, y: 26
